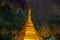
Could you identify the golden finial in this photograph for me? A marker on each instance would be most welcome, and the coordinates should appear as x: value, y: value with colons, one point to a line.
x: 29, y: 14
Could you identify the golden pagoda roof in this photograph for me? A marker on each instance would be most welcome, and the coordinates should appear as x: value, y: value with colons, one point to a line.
x: 28, y: 32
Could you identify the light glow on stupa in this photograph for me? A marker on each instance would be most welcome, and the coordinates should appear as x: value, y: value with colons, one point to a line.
x: 28, y: 32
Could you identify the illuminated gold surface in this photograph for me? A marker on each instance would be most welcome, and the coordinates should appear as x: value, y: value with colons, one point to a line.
x: 29, y: 32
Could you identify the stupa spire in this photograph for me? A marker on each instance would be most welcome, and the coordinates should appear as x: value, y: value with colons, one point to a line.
x: 28, y: 32
x: 29, y: 14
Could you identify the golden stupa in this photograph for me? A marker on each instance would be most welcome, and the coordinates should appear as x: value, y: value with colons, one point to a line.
x: 28, y: 32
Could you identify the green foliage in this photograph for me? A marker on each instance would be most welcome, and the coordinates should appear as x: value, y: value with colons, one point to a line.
x: 11, y: 21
